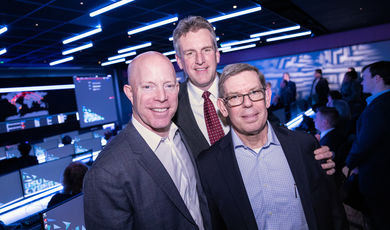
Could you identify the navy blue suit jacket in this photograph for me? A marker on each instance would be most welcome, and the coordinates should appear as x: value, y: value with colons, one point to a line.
x: 129, y: 188
x: 228, y: 201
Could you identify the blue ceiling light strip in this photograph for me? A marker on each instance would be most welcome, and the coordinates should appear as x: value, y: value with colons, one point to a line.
x: 147, y: 44
x: 169, y: 53
x: 233, y: 43
x: 235, y: 14
x: 61, y: 61
x: 83, y: 47
x: 109, y: 7
x: 3, y: 29
x: 83, y: 35
x: 113, y: 62
x: 3, y: 51
x: 153, y: 25
x: 275, y: 31
x: 238, y: 48
x: 122, y: 56
x: 289, y: 36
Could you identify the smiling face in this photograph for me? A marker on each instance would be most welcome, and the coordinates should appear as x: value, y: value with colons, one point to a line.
x: 198, y: 57
x: 249, y: 118
x: 153, y: 91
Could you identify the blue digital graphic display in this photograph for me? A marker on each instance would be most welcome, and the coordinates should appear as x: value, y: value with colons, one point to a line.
x: 95, y: 100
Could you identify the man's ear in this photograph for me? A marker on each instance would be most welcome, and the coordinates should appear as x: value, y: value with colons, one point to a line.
x: 178, y: 61
x: 129, y: 92
x: 222, y: 107
x: 268, y: 96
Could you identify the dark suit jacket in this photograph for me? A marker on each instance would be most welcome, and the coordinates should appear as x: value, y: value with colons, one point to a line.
x: 185, y: 119
x: 370, y: 151
x: 322, y: 90
x: 228, y: 201
x: 129, y: 188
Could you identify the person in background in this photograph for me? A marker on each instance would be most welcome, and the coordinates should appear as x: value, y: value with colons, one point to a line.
x: 369, y: 154
x: 26, y: 159
x: 72, y: 181
x: 319, y: 90
x: 66, y: 140
x: 287, y: 94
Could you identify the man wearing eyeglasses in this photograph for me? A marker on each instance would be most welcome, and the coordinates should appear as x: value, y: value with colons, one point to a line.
x: 261, y: 176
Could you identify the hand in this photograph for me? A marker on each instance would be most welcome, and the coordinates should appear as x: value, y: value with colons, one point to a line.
x: 323, y: 154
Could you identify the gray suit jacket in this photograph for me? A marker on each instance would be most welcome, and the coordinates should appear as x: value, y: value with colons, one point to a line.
x: 129, y: 188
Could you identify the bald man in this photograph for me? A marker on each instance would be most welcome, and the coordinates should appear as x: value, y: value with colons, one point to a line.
x: 145, y: 177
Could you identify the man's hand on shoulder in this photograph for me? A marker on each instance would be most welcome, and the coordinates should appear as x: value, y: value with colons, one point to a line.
x: 324, y: 155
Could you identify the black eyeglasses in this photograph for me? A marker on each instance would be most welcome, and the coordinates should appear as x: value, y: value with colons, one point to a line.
x: 236, y: 100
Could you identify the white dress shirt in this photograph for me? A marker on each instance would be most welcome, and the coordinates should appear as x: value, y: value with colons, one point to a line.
x: 197, y: 101
x: 175, y: 158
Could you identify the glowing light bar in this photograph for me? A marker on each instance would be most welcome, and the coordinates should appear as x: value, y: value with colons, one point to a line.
x: 113, y: 62
x: 169, y: 53
x: 235, y: 14
x: 147, y: 44
x: 36, y: 88
x: 224, y: 48
x: 83, y: 35
x: 128, y: 61
x: 61, y: 61
x: 289, y: 36
x: 3, y: 51
x: 173, y: 60
x: 239, y: 48
x: 153, y: 25
x: 225, y: 44
x: 276, y: 31
x: 170, y: 38
x: 83, y: 47
x: 3, y: 30
x: 122, y: 56
x: 109, y: 7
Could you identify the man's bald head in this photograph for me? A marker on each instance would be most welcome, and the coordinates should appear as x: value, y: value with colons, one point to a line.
x: 149, y: 58
x: 153, y: 91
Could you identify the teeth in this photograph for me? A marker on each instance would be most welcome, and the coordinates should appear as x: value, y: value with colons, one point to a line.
x: 201, y: 69
x: 160, y: 110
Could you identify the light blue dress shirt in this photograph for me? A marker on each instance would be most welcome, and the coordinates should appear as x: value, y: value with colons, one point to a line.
x: 270, y: 185
x: 372, y: 97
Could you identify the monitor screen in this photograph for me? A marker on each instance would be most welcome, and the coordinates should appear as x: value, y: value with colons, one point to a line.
x: 68, y: 215
x: 3, y: 154
x: 95, y: 100
x: 40, y: 149
x: 84, y: 136
x: 42, y: 177
x: 30, y: 103
x: 85, y: 145
x: 56, y: 153
x: 11, y: 188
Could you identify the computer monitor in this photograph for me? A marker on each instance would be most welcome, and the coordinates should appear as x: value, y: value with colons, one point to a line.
x: 40, y: 149
x: 56, y: 137
x: 68, y: 215
x: 45, y: 176
x: 72, y: 134
x: 92, y: 144
x: 56, y: 153
x: 11, y: 188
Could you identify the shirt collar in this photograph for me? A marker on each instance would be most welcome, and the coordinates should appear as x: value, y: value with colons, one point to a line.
x: 271, y: 139
x: 372, y: 97
x: 196, y: 94
x: 323, y: 133
x: 151, y: 138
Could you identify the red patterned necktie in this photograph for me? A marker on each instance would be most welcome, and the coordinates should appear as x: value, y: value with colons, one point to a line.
x: 214, y: 127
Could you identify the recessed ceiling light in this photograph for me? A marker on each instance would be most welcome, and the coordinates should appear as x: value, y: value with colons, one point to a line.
x: 36, y: 24
x: 235, y: 6
x: 81, y: 3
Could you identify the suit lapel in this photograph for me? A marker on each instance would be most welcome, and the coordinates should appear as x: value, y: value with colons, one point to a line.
x: 156, y: 170
x: 293, y: 155
x: 185, y: 119
x: 228, y: 166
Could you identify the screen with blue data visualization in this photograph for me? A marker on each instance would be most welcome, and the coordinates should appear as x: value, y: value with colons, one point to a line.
x: 69, y: 215
x: 95, y: 100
